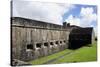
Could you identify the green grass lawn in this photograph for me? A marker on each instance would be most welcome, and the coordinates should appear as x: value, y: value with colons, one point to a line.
x: 50, y: 57
x: 83, y: 54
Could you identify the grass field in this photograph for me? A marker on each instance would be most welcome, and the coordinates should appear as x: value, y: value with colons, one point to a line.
x: 83, y: 54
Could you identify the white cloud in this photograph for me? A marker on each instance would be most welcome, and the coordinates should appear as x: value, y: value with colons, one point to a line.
x: 87, y: 16
x: 49, y: 12
x: 73, y: 20
x: 85, y: 19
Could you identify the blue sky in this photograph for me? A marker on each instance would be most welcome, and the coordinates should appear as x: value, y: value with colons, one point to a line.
x: 76, y: 11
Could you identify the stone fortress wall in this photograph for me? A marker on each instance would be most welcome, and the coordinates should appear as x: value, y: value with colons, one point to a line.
x: 32, y: 39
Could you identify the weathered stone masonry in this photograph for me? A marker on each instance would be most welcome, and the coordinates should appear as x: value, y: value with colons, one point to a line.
x: 32, y: 39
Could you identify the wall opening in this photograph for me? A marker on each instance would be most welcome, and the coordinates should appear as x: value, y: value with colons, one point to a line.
x: 60, y: 42
x: 38, y: 45
x: 29, y: 46
x: 51, y: 43
x: 57, y: 42
x: 46, y: 44
x: 64, y: 41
